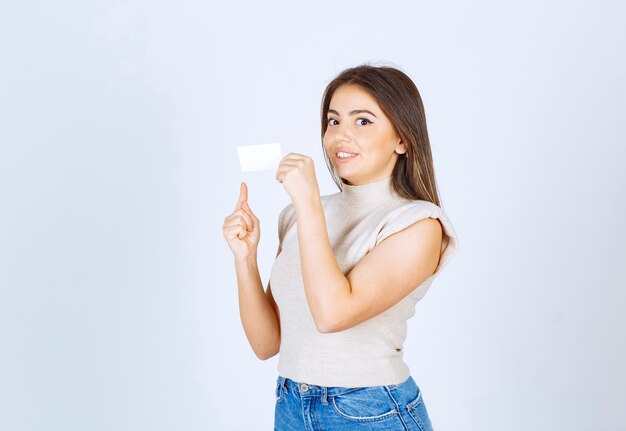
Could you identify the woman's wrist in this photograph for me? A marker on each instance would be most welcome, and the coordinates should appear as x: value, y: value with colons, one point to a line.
x: 250, y: 260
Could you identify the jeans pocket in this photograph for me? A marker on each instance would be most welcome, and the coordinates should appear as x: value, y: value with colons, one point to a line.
x: 417, y: 411
x: 366, y: 404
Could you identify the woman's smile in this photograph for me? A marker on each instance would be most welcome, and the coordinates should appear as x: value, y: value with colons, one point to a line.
x: 343, y: 157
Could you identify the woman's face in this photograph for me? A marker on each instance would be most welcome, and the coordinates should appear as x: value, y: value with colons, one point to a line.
x: 357, y: 125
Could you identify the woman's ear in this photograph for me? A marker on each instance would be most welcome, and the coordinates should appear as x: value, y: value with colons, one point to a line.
x: 401, y: 148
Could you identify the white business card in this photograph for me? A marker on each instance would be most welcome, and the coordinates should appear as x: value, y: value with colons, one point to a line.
x: 259, y: 157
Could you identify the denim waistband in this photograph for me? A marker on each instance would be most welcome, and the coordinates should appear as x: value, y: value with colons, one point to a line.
x: 309, y: 390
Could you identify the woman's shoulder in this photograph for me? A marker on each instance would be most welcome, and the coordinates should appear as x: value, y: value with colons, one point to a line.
x: 407, y: 212
x: 403, y: 209
x: 400, y: 204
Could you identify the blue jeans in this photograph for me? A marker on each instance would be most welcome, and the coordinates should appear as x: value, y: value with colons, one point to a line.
x: 302, y: 406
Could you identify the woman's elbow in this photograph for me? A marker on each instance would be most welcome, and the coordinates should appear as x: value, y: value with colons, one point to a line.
x: 326, y: 326
x: 266, y: 354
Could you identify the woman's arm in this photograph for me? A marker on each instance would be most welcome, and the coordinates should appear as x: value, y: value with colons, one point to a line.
x: 257, y: 309
x: 386, y: 274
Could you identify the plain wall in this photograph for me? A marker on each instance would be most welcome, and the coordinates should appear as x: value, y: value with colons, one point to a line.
x: 118, y: 128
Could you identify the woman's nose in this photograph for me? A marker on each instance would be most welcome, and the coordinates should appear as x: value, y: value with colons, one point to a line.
x: 342, y: 134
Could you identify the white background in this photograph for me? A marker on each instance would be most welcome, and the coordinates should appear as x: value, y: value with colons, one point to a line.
x: 118, y: 127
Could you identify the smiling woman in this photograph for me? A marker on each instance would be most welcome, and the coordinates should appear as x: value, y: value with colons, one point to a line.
x: 353, y: 264
x: 350, y: 266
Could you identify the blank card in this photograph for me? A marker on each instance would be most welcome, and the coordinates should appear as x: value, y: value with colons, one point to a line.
x: 259, y: 157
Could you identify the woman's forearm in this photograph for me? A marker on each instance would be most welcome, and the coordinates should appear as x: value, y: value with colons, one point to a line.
x: 327, y: 290
x: 259, y: 321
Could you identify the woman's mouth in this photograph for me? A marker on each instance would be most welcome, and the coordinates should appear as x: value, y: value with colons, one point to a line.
x: 343, y: 157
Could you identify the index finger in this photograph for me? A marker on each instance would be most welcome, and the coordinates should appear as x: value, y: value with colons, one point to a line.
x: 243, y: 195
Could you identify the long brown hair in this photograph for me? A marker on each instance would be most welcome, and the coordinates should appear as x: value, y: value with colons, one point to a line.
x: 413, y: 176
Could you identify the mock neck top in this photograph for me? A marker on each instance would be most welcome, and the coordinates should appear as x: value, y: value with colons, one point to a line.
x: 371, y: 353
x: 365, y: 196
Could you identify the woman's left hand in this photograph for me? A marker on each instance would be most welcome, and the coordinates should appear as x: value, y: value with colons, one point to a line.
x: 296, y: 172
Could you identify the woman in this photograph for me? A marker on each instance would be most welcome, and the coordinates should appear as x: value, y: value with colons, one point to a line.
x: 350, y: 266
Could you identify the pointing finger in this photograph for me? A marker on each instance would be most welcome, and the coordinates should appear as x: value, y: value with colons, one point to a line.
x: 243, y: 195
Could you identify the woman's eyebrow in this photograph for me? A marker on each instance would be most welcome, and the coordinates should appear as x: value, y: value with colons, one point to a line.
x: 356, y: 111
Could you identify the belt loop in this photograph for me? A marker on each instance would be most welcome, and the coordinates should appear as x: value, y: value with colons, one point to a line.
x: 284, y: 384
x: 324, y: 395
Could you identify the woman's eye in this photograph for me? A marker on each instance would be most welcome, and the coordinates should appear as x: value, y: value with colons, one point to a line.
x: 360, y: 121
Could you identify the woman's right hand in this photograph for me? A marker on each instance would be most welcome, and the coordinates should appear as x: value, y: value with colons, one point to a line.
x: 242, y: 229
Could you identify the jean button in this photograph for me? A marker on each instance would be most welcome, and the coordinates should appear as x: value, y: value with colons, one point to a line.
x: 304, y: 387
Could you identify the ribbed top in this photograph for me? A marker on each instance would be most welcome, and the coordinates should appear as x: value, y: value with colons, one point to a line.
x: 369, y: 354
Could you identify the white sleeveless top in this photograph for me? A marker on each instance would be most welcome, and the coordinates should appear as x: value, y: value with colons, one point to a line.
x: 370, y: 353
